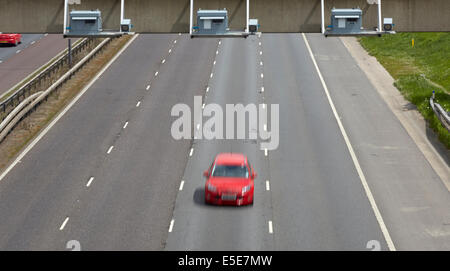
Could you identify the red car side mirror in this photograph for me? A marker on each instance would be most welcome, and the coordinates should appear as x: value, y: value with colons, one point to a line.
x: 206, y: 173
x: 254, y: 175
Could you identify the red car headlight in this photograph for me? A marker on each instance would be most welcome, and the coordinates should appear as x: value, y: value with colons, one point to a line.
x: 245, y: 189
x: 212, y: 188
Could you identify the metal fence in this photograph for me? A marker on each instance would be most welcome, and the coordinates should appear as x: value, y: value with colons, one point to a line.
x: 32, y: 85
x: 441, y: 114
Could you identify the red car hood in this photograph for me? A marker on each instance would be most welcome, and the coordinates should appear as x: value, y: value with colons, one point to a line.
x: 229, y: 184
x: 7, y: 36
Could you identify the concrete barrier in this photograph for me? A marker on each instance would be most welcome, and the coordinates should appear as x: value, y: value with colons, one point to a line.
x: 153, y: 16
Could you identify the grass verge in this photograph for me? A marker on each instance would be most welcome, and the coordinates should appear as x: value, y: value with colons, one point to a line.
x: 31, y: 125
x: 417, y: 70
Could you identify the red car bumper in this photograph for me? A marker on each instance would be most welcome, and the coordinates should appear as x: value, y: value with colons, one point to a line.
x: 219, y: 199
x: 11, y: 41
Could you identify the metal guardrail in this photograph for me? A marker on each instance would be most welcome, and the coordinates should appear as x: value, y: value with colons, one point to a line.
x: 8, y: 105
x: 27, y: 105
x: 441, y: 114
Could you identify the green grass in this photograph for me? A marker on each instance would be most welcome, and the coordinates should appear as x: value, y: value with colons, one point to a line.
x: 417, y: 70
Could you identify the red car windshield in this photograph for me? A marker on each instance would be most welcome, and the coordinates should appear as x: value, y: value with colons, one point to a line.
x: 230, y: 171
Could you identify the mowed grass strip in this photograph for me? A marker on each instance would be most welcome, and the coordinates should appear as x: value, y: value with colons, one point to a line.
x: 419, y: 63
x: 31, y: 125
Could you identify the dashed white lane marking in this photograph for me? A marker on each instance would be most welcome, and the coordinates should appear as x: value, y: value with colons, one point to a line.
x: 214, y: 63
x: 163, y: 61
x: 265, y: 152
x: 89, y: 182
x: 179, y: 34
x: 110, y: 149
x: 64, y: 224
x: 148, y: 87
x: 220, y: 42
x: 1, y: 61
x: 33, y: 42
x: 260, y: 63
x: 138, y: 104
x: 259, y: 43
x: 181, y: 185
x: 46, y: 34
x: 175, y: 41
x: 198, y: 126
x: 191, y: 152
x: 270, y: 227
x: 262, y: 89
x: 171, y: 225
x: 211, y: 76
x: 264, y: 106
x: 265, y: 127
x: 170, y: 51
x: 262, y: 75
x: 125, y: 125
x: 217, y: 52
x: 156, y: 73
x: 260, y: 52
x: 267, y: 185
x: 18, y: 51
x: 203, y: 106
x: 207, y: 89
x: 362, y: 177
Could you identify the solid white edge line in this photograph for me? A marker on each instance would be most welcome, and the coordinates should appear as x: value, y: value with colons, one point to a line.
x: 181, y: 185
x: 89, y: 182
x: 362, y: 177
x: 270, y: 227
x: 171, y: 225
x: 64, y: 224
x: 62, y: 113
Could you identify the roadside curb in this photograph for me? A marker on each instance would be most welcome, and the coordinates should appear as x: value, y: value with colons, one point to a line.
x: 411, y: 120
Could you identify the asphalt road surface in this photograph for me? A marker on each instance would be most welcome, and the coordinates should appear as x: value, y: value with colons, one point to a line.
x: 108, y: 174
x: 16, y: 63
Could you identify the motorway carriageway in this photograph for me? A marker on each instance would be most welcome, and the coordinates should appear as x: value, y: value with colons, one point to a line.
x: 36, y: 50
x: 109, y: 174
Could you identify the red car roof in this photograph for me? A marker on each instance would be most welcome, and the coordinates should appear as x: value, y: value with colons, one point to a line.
x: 231, y: 159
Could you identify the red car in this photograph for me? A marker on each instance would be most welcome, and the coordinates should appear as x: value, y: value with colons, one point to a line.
x: 11, y: 38
x: 230, y: 180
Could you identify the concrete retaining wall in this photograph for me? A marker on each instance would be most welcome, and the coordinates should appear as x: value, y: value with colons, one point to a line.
x: 173, y: 15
